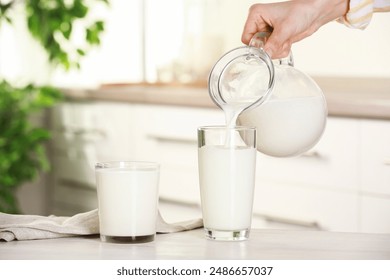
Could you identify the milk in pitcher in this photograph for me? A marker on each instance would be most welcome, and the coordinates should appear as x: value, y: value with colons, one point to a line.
x: 287, y: 126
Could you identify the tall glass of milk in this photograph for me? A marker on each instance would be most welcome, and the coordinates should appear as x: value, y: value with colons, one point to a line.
x: 128, y: 200
x: 227, y: 162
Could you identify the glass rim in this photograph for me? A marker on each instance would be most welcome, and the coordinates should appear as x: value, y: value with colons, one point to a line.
x: 216, y: 74
x: 224, y: 127
x: 123, y: 164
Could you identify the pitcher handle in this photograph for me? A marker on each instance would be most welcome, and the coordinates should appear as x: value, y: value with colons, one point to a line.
x: 258, y: 41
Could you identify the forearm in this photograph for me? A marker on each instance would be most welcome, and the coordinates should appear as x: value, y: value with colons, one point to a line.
x: 292, y: 21
x: 329, y: 10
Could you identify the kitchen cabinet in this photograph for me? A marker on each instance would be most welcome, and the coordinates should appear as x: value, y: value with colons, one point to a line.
x: 319, y: 188
x: 375, y: 214
x: 169, y: 136
x: 375, y: 157
x: 341, y: 184
x: 307, y: 206
x: 331, y: 164
x: 375, y: 176
x: 83, y: 134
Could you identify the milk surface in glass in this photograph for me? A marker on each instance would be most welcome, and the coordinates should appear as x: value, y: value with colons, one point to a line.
x: 227, y: 185
x: 128, y: 200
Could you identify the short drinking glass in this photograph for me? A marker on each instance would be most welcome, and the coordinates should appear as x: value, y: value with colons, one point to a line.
x: 128, y: 200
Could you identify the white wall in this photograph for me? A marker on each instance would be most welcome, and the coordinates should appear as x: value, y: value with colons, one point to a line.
x: 119, y: 57
x: 334, y: 50
x: 22, y: 60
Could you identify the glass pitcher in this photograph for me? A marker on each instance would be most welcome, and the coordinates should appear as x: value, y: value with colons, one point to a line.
x: 290, y: 111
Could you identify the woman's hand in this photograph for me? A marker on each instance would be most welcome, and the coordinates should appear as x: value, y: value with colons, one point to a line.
x: 290, y: 22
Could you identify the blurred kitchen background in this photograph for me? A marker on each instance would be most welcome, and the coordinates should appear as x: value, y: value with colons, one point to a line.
x: 142, y: 93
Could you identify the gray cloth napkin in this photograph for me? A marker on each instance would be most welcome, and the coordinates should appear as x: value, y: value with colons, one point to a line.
x: 29, y: 227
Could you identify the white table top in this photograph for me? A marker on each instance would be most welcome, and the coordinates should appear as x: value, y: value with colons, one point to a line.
x: 263, y: 244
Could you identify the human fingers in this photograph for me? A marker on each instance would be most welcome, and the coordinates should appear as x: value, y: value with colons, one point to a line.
x: 277, y: 46
x: 256, y: 22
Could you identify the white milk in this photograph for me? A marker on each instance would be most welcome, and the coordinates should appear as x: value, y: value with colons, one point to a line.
x: 287, y: 127
x: 231, y: 114
x: 128, y: 201
x: 227, y: 184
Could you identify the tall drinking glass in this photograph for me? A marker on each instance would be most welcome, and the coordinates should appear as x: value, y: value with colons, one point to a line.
x: 227, y: 163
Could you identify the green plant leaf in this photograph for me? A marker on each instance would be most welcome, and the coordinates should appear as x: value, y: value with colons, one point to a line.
x: 22, y: 142
x: 51, y: 24
x: 79, y: 9
x: 66, y: 29
x: 8, y: 202
x: 81, y: 52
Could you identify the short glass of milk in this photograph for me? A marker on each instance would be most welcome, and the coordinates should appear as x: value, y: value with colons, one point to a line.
x: 227, y: 163
x: 128, y: 200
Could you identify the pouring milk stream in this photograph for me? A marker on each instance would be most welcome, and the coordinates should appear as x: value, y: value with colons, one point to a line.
x: 285, y: 105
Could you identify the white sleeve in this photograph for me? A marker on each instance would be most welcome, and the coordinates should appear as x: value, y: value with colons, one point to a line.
x: 360, y: 12
x: 381, y: 5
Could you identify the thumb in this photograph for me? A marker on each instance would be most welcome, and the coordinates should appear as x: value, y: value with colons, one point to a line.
x: 268, y: 49
x: 276, y: 47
